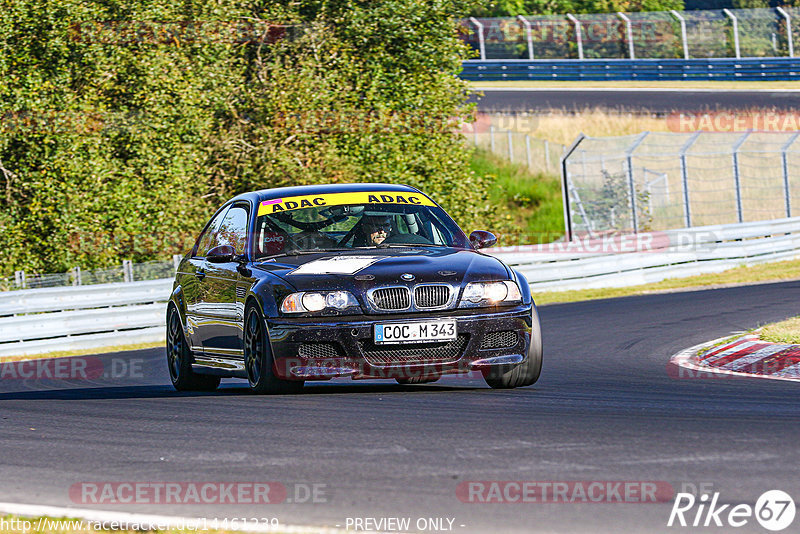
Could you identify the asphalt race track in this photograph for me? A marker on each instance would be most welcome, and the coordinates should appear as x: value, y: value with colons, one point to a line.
x: 606, y: 408
x: 633, y: 100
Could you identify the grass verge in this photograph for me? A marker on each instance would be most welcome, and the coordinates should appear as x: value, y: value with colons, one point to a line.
x: 82, y: 352
x: 530, y: 203
x: 768, y: 272
x: 673, y: 84
x: 787, y: 331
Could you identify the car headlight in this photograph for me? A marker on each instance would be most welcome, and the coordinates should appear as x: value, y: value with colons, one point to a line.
x: 490, y: 294
x: 315, y: 301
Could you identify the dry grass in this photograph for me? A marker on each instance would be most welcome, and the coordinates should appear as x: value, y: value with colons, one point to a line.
x: 787, y: 331
x: 768, y: 272
x: 563, y: 127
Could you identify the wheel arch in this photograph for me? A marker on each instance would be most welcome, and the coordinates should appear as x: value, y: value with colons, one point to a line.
x: 524, y: 287
x: 177, y: 301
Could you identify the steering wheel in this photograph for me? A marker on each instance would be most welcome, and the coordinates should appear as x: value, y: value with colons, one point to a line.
x: 310, y: 240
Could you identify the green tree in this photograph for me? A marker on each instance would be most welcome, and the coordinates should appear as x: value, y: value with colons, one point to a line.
x: 119, y: 139
x: 512, y: 8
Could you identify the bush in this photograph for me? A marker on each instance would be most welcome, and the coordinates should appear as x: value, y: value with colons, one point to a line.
x: 118, y: 140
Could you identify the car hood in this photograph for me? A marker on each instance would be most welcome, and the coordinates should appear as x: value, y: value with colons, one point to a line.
x: 365, y: 268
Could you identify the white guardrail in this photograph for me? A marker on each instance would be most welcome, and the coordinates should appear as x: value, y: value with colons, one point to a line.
x: 85, y: 317
x: 35, y: 321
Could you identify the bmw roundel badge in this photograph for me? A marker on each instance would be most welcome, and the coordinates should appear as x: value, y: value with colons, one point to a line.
x: 407, y: 277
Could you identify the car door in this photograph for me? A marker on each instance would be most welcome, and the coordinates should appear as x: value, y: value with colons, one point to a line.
x: 224, y: 308
x: 193, y: 284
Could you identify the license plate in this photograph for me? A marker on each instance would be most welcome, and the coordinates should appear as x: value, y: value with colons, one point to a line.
x: 415, y: 332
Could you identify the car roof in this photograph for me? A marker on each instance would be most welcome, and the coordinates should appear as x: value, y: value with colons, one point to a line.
x: 279, y: 192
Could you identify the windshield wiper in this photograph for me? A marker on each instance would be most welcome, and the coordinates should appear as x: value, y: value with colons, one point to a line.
x: 301, y: 253
x: 407, y: 245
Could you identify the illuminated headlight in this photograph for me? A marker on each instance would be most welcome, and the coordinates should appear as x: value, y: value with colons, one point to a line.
x: 315, y: 301
x: 490, y: 294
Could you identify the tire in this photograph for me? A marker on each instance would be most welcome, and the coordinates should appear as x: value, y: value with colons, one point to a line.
x: 417, y: 380
x: 258, y: 360
x: 527, y: 372
x: 179, y: 359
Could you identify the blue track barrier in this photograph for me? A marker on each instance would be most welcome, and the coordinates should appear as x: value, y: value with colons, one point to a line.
x: 749, y: 69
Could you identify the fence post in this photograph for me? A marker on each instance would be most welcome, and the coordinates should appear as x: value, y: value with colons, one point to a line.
x: 735, y: 31
x: 547, y: 154
x: 789, y: 38
x: 491, y: 138
x: 19, y: 279
x: 687, y: 213
x: 785, y: 166
x: 528, y: 33
x: 628, y: 32
x: 127, y: 271
x: 528, y: 151
x: 76, y: 276
x: 684, y: 40
x: 565, y: 185
x: 510, y: 140
x: 736, y: 180
x: 578, y: 35
x: 631, y: 183
x: 176, y: 260
x: 481, y: 42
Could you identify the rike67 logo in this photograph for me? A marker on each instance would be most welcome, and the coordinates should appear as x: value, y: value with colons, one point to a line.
x: 774, y: 510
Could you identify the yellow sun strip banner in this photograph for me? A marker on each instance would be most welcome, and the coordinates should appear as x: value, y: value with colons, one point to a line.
x: 277, y: 205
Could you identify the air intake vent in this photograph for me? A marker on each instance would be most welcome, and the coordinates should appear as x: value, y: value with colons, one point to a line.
x: 499, y: 340
x: 319, y: 351
x: 431, y: 296
x: 392, y: 298
x: 413, y: 353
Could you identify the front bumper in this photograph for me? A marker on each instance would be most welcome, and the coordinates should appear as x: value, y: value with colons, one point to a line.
x: 320, y: 349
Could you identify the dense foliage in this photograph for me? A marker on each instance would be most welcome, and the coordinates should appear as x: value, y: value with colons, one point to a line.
x: 119, y: 139
x: 512, y: 8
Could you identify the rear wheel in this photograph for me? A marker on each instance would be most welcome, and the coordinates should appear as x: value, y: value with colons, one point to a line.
x: 258, y: 360
x: 527, y: 372
x: 179, y: 359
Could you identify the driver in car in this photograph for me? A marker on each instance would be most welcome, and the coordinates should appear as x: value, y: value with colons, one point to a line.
x: 374, y: 229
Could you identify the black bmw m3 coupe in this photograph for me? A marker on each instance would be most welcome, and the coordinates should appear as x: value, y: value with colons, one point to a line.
x: 365, y: 281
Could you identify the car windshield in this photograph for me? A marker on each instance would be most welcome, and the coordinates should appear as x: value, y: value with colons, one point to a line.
x: 345, y: 221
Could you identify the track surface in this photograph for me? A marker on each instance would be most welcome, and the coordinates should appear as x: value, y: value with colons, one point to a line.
x: 640, y: 100
x: 605, y: 409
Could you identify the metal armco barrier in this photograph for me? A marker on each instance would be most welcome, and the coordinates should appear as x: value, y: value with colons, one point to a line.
x: 34, y: 321
x: 615, y: 262
x: 779, y: 68
x: 44, y: 320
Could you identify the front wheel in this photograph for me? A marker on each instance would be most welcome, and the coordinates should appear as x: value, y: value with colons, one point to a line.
x: 258, y: 360
x: 179, y: 359
x: 527, y: 372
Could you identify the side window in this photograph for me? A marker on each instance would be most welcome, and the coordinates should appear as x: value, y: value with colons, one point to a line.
x: 233, y: 230
x: 208, y: 240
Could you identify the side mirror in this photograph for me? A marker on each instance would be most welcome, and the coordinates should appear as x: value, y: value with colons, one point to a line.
x: 482, y: 239
x: 221, y: 254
